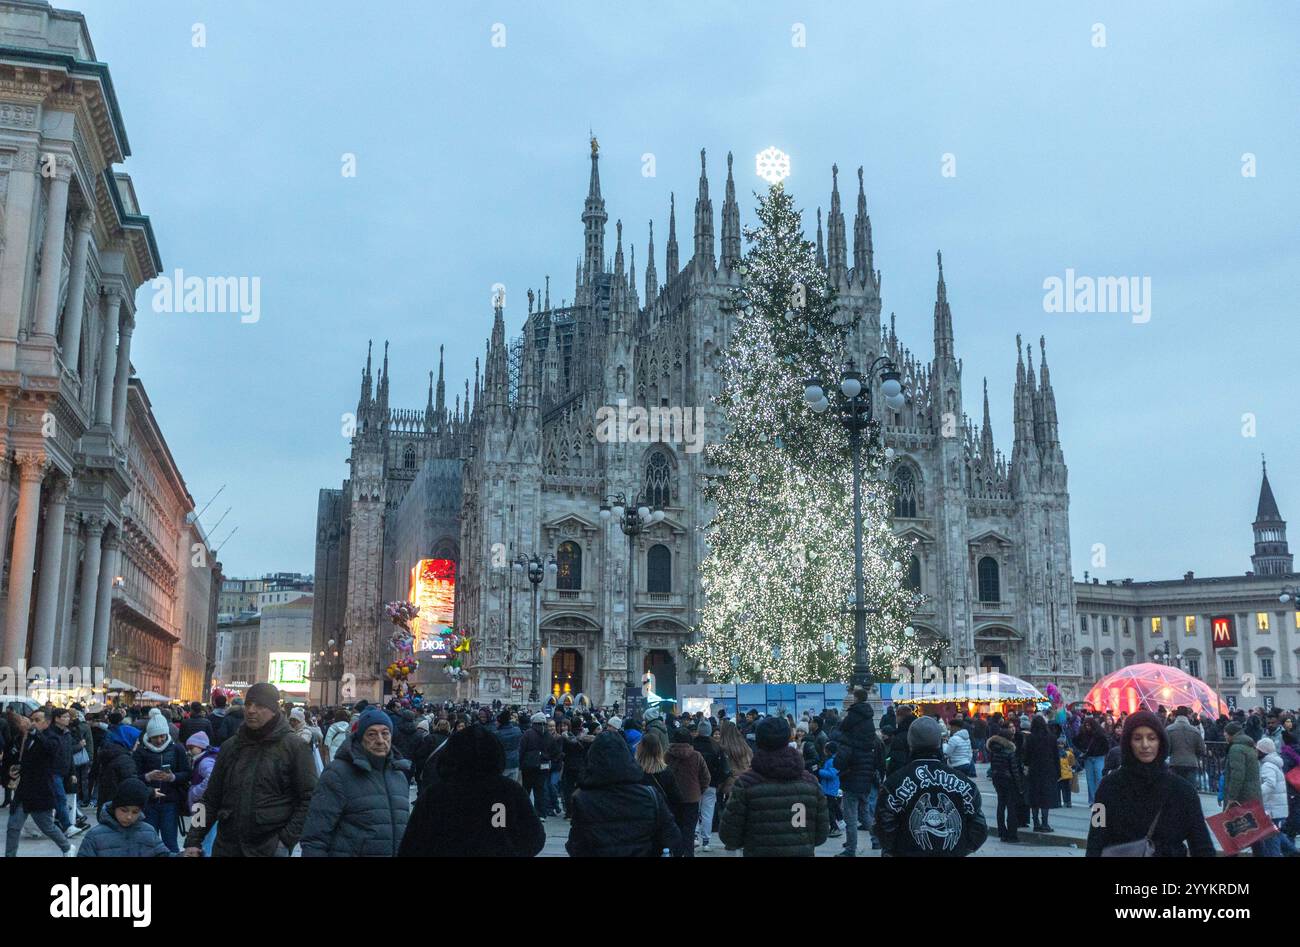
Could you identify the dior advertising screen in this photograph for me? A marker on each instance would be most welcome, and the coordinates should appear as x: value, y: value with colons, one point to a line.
x: 433, y: 589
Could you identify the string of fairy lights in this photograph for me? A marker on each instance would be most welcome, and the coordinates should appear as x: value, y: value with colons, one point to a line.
x: 778, y: 577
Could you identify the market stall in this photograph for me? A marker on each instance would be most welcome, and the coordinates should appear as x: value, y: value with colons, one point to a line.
x: 988, y: 693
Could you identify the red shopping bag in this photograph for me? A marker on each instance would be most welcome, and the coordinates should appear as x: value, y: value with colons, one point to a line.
x: 1241, y: 825
x: 1293, y: 778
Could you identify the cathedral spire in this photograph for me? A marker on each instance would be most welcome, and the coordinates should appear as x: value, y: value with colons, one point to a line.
x: 440, y: 406
x: 551, y: 364
x: 821, y: 249
x: 863, y: 257
x: 671, y: 263
x: 835, y: 248
x: 593, y: 221
x: 618, y: 249
x: 651, y: 278
x: 703, y: 222
x: 365, y: 377
x: 943, y: 347
x: 547, y: 303
x: 1024, y: 450
x: 730, y: 223
x: 986, y: 432
x: 1052, y: 438
x: 633, y: 301
x: 382, y: 395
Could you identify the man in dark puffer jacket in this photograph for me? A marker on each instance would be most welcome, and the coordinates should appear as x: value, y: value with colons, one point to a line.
x: 362, y: 801
x: 927, y: 807
x: 261, y: 787
x: 860, y: 760
x: 615, y: 815
x: 776, y: 807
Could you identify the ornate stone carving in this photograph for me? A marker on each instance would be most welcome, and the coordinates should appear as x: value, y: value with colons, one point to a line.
x: 14, y: 115
x: 32, y: 465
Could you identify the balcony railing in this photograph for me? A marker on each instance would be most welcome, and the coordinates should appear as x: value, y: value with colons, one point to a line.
x: 661, y: 599
x: 570, y: 597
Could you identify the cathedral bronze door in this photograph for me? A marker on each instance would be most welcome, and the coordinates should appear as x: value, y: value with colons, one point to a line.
x: 993, y: 662
x: 659, y: 663
x: 566, y: 672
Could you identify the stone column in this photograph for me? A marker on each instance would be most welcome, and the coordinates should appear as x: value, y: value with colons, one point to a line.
x: 104, y: 390
x: 70, y: 340
x: 31, y: 465
x: 122, y: 376
x: 56, y: 217
x: 89, y: 590
x: 47, y: 594
x: 5, y: 462
x: 20, y: 206
x: 104, y: 603
x: 65, y: 635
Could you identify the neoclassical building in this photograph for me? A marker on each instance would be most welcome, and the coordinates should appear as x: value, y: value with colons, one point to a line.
x: 1230, y: 631
x: 74, y: 249
x: 990, y: 534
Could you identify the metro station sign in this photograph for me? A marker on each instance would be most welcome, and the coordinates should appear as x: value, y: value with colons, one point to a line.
x: 1224, y: 632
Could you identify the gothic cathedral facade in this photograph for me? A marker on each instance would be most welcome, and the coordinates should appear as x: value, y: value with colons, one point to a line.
x: 990, y: 534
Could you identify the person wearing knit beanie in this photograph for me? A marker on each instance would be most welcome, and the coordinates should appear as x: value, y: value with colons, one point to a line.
x: 130, y: 793
x: 157, y: 727
x: 372, y: 717
x: 772, y: 733
x: 705, y: 729
x: 198, y: 739
x: 925, y: 735
x: 263, y: 695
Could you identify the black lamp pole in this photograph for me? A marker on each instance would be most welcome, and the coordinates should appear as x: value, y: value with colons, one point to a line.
x: 633, y: 518
x: 536, y: 570
x: 853, y: 406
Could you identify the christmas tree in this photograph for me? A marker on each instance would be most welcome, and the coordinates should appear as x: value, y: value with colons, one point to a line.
x: 778, y: 579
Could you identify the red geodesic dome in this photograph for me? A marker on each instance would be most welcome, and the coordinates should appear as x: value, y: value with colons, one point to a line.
x: 1148, y: 686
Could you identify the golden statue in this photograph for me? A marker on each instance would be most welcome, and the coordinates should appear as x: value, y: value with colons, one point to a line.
x: 595, y: 147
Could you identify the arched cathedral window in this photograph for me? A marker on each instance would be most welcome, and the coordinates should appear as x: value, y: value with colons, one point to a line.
x: 989, y: 584
x: 659, y: 569
x: 408, y: 457
x: 568, y: 561
x: 658, y: 480
x: 904, y: 493
x: 913, y: 581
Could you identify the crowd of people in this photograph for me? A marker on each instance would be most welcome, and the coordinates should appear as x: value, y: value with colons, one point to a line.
x: 260, y: 777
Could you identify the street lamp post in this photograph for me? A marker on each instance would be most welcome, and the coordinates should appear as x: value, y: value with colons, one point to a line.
x: 633, y: 518
x: 330, y: 663
x: 1168, y: 658
x: 536, y: 574
x: 853, y: 405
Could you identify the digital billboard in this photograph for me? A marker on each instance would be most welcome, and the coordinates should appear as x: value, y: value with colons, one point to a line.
x: 289, y: 670
x: 433, y: 589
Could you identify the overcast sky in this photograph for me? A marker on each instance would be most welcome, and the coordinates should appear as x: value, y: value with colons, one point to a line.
x: 471, y: 168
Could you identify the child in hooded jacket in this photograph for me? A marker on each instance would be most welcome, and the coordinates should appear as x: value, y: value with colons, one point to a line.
x: 122, y: 831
